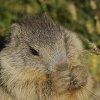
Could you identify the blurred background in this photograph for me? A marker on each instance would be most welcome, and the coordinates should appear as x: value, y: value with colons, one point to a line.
x: 80, y: 16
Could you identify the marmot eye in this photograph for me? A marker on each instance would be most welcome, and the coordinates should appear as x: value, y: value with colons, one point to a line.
x: 34, y: 52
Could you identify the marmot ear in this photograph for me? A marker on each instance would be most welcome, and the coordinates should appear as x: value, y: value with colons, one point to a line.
x: 15, y: 32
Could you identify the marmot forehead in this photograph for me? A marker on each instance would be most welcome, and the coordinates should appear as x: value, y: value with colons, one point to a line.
x: 40, y: 21
x: 39, y: 28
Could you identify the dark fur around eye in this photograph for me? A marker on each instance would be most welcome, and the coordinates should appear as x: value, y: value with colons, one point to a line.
x: 34, y: 52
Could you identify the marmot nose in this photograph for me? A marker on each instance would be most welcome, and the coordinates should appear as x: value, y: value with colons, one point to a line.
x: 76, y: 84
x: 78, y: 78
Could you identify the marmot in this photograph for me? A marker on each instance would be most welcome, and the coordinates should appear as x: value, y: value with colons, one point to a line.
x: 42, y: 61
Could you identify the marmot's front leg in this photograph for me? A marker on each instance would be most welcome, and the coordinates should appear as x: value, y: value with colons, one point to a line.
x: 61, y: 80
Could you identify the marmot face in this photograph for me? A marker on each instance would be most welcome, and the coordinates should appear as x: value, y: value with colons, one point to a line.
x: 42, y: 62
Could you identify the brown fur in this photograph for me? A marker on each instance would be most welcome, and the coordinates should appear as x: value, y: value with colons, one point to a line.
x: 42, y: 62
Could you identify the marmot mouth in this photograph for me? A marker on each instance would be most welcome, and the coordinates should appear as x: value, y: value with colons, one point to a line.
x: 76, y: 88
x: 75, y: 85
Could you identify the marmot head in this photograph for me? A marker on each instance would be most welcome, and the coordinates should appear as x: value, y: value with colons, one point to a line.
x: 38, y: 48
